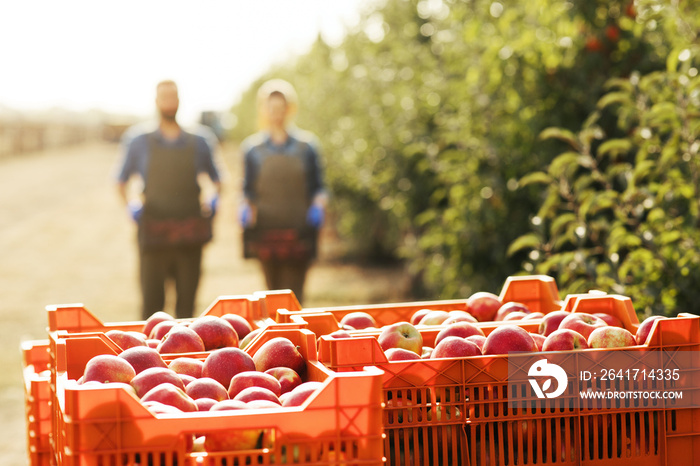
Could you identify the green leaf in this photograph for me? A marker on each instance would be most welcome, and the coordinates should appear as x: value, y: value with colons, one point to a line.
x: 564, y: 164
x: 535, y: 178
x: 527, y: 241
x: 614, y: 147
x: 559, y: 223
x: 619, y: 83
x: 614, y: 98
x: 561, y: 134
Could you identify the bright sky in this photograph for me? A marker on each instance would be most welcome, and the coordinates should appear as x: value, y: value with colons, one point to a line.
x: 109, y: 54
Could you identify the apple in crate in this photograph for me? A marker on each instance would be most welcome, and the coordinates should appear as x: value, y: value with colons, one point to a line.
x: 187, y: 366
x: 126, y: 340
x: 533, y: 316
x: 517, y: 315
x: 161, y: 329
x: 551, y: 322
x: 300, y: 394
x: 483, y: 305
x: 479, y: 340
x: 564, y: 340
x: 149, y: 378
x: 288, y: 378
x: 206, y: 387
x: 509, y: 338
x: 204, y: 404
x: 256, y: 393
x: 644, y: 329
x: 142, y: 357
x: 539, y: 340
x: 181, y: 339
x: 455, y: 347
x: 459, y: 329
x: 610, y: 320
x: 434, y: 318
x: 358, y: 320
x: 459, y: 316
x: 418, y: 315
x: 108, y: 368
x: 239, y: 324
x: 401, y: 335
x: 232, y: 439
x: 171, y: 395
x: 215, y: 332
x: 509, y: 308
x: 340, y: 333
x: 611, y: 337
x: 400, y: 354
x: 279, y: 352
x: 222, y: 364
x: 248, y: 338
x: 582, y: 323
x: 155, y: 319
x: 247, y: 379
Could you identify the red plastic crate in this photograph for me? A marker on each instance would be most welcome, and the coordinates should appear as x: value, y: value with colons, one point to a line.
x: 538, y: 292
x: 35, y: 367
x: 341, y: 424
x: 456, y: 411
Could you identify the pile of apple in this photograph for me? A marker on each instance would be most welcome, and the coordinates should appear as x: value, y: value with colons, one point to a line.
x: 205, y: 333
x: 460, y: 337
x: 227, y: 378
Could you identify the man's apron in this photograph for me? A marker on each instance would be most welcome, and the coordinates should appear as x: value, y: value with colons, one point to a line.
x: 281, y: 231
x: 171, y: 212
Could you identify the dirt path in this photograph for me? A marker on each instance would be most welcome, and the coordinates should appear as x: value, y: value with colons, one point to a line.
x: 64, y: 238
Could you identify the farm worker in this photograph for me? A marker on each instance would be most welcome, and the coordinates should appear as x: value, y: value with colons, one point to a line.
x: 173, y: 221
x: 284, y: 197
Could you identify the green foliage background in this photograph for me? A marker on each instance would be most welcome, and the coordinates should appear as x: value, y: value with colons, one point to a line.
x: 430, y: 114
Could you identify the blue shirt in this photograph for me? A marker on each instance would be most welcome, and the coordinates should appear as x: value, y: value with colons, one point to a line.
x: 136, y: 154
x: 253, y: 146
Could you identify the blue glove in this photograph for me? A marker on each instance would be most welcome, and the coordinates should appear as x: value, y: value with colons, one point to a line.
x: 245, y: 216
x: 315, y: 216
x: 135, y: 210
x: 214, y: 204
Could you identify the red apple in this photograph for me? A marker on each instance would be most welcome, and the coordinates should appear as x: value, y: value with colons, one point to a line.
x: 188, y: 366
x: 186, y: 379
x: 152, y: 343
x: 279, y: 352
x: 358, y: 320
x: 609, y: 319
x: 426, y: 352
x: 156, y: 407
x: 232, y: 439
x: 459, y: 316
x: 169, y: 394
x: 564, y: 339
x: 288, y: 378
x: 204, y: 404
x: 517, y: 315
x: 181, y: 339
x: 418, y: 315
x: 459, y: 329
x: 509, y: 307
x: 261, y: 404
x: 155, y: 319
x: 226, y: 405
x: 582, y: 323
x: 483, y: 305
x: 301, y: 393
x: 256, y: 393
x: 478, y: 339
x: 400, y: 354
x: 222, y: 364
x: 126, y: 340
x: 533, y: 315
x: 550, y: 322
x: 434, y: 318
x: 161, y: 328
x: 108, y: 368
x: 455, y: 347
x: 247, y: 379
x: 401, y: 335
x: 340, y: 333
x: 644, y: 329
x: 539, y: 340
x: 215, y: 332
x: 142, y: 357
x: 206, y: 388
x: 153, y: 376
x: 248, y: 338
x: 509, y: 338
x: 611, y: 337
x: 239, y: 324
